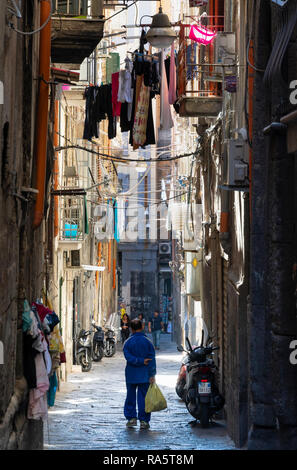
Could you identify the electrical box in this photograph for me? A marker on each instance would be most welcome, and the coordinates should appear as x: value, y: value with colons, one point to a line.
x: 237, y: 166
x: 224, y: 51
x: 193, y: 274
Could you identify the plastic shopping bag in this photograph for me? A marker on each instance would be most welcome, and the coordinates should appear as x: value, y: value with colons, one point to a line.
x: 154, y: 399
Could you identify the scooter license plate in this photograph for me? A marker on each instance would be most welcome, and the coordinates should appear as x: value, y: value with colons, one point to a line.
x: 204, y: 388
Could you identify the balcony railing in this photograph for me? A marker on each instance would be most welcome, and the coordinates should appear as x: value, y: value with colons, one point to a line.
x: 76, y: 8
x: 203, y: 69
x: 71, y: 226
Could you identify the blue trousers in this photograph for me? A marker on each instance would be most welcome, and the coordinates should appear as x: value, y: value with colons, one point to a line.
x: 130, y: 403
x: 156, y: 338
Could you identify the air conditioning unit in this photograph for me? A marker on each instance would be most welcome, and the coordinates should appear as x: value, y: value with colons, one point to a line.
x: 164, y: 248
x: 237, y: 163
x: 224, y: 52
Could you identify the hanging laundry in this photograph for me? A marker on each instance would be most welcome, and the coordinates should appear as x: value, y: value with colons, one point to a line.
x: 201, y: 34
x: 116, y: 105
x: 26, y: 319
x: 90, y: 126
x: 112, y: 65
x: 125, y: 95
x: 172, y: 80
x: 166, y: 121
x: 141, y: 116
x: 143, y: 72
x: 51, y: 394
x: 37, y: 407
x: 125, y: 84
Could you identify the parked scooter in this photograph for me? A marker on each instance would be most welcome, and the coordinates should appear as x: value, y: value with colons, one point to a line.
x: 200, y: 391
x: 83, y: 350
x: 98, y: 343
x: 110, y: 341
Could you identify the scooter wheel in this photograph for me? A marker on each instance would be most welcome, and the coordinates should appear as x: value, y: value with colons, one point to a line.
x: 110, y: 350
x: 85, y: 365
x: 204, y: 415
x: 98, y: 354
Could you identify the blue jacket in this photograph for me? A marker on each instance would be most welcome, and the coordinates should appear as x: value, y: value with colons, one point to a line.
x: 136, y: 349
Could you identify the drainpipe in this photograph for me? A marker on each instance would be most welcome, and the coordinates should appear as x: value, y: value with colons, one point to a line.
x: 42, y: 111
x: 251, y: 80
x: 225, y: 209
x: 56, y: 170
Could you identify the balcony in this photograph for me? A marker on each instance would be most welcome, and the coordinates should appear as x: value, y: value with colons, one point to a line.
x: 204, y: 70
x: 72, y: 230
x: 77, y: 28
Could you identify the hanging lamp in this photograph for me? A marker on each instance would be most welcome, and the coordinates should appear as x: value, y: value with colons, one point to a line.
x: 161, y: 35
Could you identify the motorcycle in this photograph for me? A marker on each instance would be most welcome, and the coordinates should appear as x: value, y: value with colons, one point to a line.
x: 83, y: 350
x: 200, y: 391
x: 98, y: 343
x: 109, y: 342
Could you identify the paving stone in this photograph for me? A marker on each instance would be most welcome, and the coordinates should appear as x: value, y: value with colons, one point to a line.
x: 89, y: 415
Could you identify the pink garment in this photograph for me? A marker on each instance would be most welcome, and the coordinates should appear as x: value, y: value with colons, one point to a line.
x: 166, y: 122
x: 37, y: 407
x: 172, y: 84
x: 116, y: 105
x: 201, y: 34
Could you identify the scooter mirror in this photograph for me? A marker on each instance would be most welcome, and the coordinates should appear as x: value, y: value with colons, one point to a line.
x: 180, y: 348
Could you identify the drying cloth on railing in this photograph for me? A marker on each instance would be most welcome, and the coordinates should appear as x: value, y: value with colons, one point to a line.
x: 201, y: 34
x: 166, y: 121
x: 172, y: 81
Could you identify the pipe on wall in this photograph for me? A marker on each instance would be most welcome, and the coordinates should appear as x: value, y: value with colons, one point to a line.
x: 56, y: 170
x: 42, y: 112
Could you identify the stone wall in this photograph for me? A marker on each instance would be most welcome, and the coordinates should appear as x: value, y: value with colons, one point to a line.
x: 272, y: 315
x: 21, y: 250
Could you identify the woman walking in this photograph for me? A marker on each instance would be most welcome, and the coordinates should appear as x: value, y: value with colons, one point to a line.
x: 125, y: 327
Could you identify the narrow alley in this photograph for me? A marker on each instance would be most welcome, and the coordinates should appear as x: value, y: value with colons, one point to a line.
x: 88, y: 413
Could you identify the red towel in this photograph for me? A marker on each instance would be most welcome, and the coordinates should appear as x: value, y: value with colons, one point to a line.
x: 116, y: 105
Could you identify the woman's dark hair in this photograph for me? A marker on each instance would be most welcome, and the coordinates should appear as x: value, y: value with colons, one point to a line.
x: 140, y: 314
x: 136, y: 324
x: 125, y: 315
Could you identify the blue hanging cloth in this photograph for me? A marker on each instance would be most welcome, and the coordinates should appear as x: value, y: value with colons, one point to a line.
x: 51, y: 393
x: 116, y: 225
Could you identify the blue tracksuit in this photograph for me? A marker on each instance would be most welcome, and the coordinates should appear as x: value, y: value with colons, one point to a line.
x: 136, y: 349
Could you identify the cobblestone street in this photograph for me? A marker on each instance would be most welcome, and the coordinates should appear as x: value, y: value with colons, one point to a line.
x: 88, y: 413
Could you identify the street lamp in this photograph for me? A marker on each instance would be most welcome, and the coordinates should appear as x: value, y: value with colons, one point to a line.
x: 160, y: 35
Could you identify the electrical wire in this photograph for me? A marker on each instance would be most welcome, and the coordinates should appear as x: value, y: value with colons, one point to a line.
x: 27, y: 33
x: 137, y: 184
x: 153, y: 204
x: 121, y: 159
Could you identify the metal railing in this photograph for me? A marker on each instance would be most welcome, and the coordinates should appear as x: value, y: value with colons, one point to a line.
x: 198, y: 68
x: 71, y: 226
x: 72, y: 8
